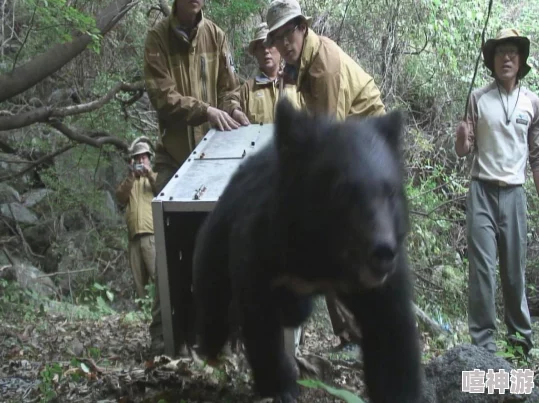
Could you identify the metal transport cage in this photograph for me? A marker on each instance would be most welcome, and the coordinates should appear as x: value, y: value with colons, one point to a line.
x: 179, y: 210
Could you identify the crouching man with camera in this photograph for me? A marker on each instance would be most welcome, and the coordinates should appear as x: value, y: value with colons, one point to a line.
x: 136, y: 193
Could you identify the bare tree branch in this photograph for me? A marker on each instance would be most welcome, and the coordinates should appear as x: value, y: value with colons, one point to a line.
x: 98, y: 103
x: 45, y: 113
x: 45, y: 64
x: 25, y: 119
x: 37, y: 163
x: 97, y: 139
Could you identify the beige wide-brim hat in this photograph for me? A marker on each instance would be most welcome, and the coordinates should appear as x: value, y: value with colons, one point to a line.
x: 282, y: 11
x: 140, y: 146
x: 508, y: 35
x: 261, y: 31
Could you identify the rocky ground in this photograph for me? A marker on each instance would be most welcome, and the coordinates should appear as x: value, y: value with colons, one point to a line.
x: 57, y: 351
x: 52, y: 351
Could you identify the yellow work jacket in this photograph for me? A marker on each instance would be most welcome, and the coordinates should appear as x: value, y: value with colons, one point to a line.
x: 259, y: 96
x: 184, y: 75
x: 331, y: 82
x: 137, y: 195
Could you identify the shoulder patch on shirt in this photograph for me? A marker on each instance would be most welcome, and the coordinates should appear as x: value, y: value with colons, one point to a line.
x: 522, y: 119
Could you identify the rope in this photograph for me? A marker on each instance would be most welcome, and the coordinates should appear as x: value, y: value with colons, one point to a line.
x: 477, y: 60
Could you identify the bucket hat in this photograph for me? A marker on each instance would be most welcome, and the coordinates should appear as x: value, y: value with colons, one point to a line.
x: 282, y: 11
x: 140, y: 146
x: 261, y: 31
x: 508, y: 35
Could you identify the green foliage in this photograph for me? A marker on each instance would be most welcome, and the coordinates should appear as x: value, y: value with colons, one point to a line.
x: 343, y: 394
x: 15, y: 300
x: 235, y: 17
x: 147, y: 302
x: 96, y: 297
x: 55, y: 21
x: 445, y: 68
x: 50, y: 376
x: 513, y: 352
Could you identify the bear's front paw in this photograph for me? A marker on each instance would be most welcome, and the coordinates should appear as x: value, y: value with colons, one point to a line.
x: 285, y: 398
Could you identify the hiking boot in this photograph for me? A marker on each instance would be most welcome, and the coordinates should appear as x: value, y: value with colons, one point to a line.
x: 491, y: 348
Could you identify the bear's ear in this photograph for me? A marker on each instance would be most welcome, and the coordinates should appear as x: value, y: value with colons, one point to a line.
x: 289, y: 126
x: 391, y: 126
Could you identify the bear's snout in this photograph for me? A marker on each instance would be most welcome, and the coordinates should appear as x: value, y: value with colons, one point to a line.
x: 382, y: 258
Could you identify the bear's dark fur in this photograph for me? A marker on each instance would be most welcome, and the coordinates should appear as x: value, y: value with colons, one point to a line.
x: 321, y: 208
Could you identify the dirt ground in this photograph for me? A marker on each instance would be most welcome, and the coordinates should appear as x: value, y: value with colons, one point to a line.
x: 52, y: 352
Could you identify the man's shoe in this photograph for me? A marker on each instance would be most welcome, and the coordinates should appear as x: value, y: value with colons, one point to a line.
x: 491, y: 348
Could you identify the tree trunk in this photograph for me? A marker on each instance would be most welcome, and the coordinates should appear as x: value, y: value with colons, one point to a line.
x: 47, y: 63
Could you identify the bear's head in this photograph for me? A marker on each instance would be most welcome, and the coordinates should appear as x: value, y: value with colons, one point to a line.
x: 342, y: 187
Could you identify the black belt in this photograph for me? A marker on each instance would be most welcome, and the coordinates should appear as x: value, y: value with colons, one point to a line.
x: 141, y: 234
x: 496, y: 183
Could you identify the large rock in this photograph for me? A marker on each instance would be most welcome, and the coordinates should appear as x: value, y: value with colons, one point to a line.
x: 75, y: 221
x: 8, y: 194
x: 70, y: 250
x: 18, y: 213
x: 11, y: 164
x: 108, y: 172
x: 41, y: 235
x: 35, y: 196
x: 444, y: 377
x: 30, y: 277
x: 105, y: 211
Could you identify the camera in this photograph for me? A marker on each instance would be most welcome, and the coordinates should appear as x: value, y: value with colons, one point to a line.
x: 138, y: 167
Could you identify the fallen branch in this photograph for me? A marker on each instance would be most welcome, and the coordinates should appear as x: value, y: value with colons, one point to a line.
x: 46, y: 113
x: 65, y: 272
x: 103, y: 138
x: 37, y: 163
x: 432, y: 326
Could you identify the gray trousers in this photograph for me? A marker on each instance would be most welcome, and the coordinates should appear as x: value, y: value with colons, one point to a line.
x: 496, y: 222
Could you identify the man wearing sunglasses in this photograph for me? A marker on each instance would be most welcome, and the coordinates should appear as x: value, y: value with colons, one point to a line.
x: 329, y: 80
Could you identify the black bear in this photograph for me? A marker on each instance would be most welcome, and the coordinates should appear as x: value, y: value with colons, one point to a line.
x: 321, y: 208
